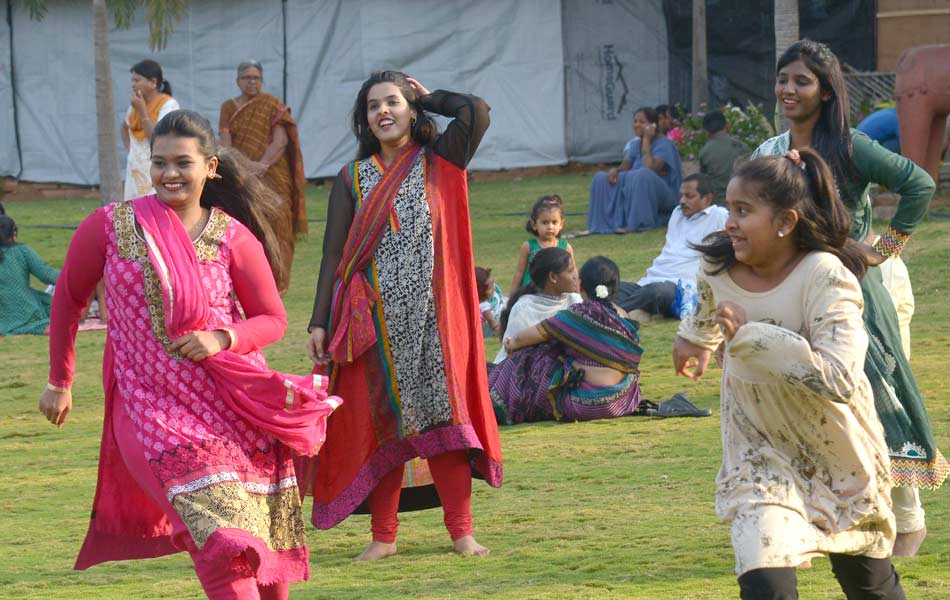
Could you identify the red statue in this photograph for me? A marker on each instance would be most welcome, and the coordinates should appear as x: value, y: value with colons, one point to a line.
x: 922, y: 91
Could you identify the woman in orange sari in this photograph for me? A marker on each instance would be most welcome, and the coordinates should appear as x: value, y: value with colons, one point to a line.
x: 260, y: 126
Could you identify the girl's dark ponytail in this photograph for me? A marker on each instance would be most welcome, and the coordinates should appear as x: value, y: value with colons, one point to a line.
x: 807, y: 187
x: 7, y: 233
x: 150, y: 69
x: 828, y: 221
x: 600, y: 271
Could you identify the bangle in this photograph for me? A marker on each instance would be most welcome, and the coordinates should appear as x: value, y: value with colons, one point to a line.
x: 232, y: 337
x: 56, y: 388
x: 891, y: 242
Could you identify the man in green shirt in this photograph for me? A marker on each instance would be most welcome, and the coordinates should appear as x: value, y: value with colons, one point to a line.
x: 719, y: 154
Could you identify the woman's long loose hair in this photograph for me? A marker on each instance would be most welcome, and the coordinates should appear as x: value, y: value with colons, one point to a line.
x: 832, y: 134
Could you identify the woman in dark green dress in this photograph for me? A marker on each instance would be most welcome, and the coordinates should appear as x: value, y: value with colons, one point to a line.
x: 811, y: 93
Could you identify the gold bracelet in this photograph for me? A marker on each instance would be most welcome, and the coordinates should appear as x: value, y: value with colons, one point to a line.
x: 56, y: 388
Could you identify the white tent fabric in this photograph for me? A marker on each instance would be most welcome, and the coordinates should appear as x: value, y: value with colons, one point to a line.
x: 9, y: 158
x: 53, y: 90
x: 506, y: 51
x: 55, y: 87
x: 513, y: 53
x: 616, y: 59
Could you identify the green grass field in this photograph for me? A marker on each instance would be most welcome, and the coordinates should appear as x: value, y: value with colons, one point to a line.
x: 608, y: 509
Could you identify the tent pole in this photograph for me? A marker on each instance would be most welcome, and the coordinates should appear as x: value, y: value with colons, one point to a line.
x: 16, y: 120
x: 566, y: 71
x: 284, y: 23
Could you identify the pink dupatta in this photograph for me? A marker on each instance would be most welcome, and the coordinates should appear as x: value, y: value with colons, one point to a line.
x: 352, y: 316
x: 292, y: 408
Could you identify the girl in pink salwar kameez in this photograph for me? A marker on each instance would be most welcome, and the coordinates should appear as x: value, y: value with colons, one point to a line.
x: 199, y: 435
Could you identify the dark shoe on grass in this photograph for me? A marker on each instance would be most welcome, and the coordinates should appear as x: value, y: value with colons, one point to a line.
x: 680, y: 406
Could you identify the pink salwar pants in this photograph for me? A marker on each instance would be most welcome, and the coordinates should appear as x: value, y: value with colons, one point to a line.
x: 217, y: 584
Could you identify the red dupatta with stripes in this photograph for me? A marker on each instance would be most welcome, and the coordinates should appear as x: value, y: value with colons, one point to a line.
x: 353, y: 300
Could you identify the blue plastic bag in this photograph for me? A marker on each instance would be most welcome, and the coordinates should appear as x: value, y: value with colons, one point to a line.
x: 686, y: 299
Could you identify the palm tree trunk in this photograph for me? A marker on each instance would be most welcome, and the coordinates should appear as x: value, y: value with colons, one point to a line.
x: 700, y: 70
x: 786, y: 34
x: 110, y: 181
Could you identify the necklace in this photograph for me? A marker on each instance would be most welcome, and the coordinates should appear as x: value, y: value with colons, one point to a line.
x: 198, y: 226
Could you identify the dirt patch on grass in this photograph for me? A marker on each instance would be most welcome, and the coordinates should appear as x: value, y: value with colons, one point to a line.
x: 941, y: 201
x: 18, y: 191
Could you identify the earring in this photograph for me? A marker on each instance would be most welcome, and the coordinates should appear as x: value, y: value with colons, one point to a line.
x: 781, y: 233
x: 213, y: 175
x: 412, y: 122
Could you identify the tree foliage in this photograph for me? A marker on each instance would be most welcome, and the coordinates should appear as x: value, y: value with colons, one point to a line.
x: 160, y: 15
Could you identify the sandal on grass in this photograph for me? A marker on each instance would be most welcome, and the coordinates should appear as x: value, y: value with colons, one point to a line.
x: 680, y: 406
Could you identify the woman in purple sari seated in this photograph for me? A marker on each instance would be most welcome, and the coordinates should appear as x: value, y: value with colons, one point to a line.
x: 579, y: 365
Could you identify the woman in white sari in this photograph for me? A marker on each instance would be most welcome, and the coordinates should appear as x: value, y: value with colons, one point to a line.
x: 151, y: 100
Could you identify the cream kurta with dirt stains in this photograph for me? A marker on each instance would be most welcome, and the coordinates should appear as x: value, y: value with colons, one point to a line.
x: 805, y: 469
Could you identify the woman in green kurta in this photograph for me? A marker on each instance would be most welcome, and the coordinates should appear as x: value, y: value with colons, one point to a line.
x: 811, y: 92
x: 22, y: 309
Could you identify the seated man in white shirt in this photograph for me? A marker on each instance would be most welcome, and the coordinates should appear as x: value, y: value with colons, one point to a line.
x: 691, y: 221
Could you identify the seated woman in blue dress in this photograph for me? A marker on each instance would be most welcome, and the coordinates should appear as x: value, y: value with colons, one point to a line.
x: 641, y: 193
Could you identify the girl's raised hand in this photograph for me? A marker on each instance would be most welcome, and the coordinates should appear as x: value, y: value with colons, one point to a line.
x: 730, y: 316
x: 689, y: 360
x: 649, y: 132
x: 420, y: 89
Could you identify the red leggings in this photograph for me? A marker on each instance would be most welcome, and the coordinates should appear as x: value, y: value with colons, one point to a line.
x: 217, y: 584
x: 453, y: 481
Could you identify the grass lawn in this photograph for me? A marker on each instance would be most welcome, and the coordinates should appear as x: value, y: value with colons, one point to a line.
x: 607, y: 509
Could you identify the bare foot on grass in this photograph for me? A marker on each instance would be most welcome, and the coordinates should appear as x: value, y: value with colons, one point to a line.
x: 377, y: 551
x: 907, y: 544
x: 467, y: 546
